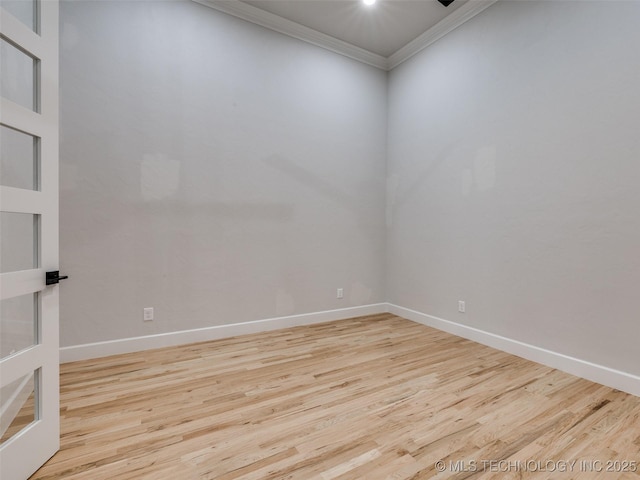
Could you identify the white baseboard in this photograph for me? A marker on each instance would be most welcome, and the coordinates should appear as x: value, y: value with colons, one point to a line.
x: 137, y: 344
x: 617, y: 379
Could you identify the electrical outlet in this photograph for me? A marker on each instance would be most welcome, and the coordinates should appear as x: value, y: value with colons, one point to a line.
x: 340, y: 293
x: 461, y: 306
x: 147, y: 314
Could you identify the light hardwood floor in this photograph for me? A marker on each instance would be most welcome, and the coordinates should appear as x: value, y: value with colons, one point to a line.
x: 367, y: 398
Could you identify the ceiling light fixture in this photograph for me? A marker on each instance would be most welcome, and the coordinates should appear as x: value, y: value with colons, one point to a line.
x: 369, y: 2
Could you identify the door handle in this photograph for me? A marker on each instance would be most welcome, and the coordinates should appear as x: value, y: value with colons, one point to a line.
x: 52, y: 278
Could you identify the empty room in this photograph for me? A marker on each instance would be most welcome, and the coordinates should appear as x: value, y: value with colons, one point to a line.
x: 319, y: 239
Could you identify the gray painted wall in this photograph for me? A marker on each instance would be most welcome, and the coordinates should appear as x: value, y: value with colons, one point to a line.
x: 212, y: 169
x: 513, y: 178
x: 221, y: 173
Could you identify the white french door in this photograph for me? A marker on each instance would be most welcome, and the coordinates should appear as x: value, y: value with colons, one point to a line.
x: 29, y: 357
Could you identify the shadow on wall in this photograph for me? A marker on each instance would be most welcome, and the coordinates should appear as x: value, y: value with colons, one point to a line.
x: 395, y: 198
x: 360, y: 208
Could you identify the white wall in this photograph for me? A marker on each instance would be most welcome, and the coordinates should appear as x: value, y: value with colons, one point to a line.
x: 212, y: 169
x: 514, y: 164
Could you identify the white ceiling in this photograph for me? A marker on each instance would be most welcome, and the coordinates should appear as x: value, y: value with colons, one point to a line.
x: 383, y: 35
x: 382, y: 28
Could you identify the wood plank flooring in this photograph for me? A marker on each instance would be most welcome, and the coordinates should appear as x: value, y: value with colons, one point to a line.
x: 375, y: 397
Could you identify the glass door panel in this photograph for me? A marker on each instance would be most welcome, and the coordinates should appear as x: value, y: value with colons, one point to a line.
x: 19, y: 408
x: 24, y: 10
x: 18, y: 80
x: 18, y: 241
x: 19, y: 164
x: 18, y: 323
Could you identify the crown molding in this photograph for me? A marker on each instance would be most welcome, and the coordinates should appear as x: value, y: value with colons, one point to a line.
x: 439, y: 30
x: 274, y: 22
